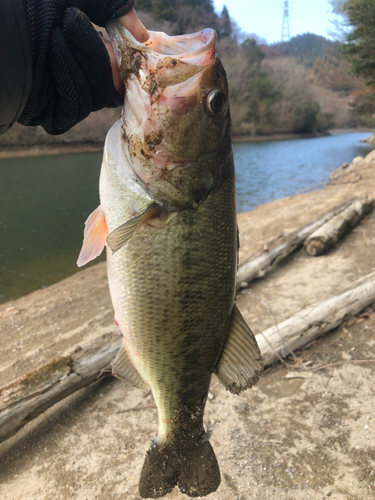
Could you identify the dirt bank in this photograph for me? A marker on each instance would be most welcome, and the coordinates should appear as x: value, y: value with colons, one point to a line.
x: 13, y: 151
x: 50, y: 149
x: 299, y: 434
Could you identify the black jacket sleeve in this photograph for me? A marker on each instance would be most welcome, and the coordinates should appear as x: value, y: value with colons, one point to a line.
x: 15, y: 62
x: 54, y: 68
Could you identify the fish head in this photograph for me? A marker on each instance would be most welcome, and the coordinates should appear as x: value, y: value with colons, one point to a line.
x: 176, y: 119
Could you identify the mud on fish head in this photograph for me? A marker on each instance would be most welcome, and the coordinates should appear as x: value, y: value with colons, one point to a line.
x: 176, y: 113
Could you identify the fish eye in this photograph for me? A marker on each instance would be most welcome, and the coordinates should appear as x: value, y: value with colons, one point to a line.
x: 216, y: 102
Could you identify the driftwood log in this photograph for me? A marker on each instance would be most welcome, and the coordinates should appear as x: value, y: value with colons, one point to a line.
x: 310, y: 323
x: 328, y: 235
x: 257, y: 267
x: 26, y: 397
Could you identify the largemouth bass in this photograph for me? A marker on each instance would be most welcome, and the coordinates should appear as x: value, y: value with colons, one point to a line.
x: 167, y: 215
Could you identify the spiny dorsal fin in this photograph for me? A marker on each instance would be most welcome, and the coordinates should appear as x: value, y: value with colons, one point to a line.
x: 95, y: 234
x: 240, y: 363
x: 122, y: 234
x: 123, y: 368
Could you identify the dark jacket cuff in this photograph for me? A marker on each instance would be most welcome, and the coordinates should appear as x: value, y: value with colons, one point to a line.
x: 15, y: 62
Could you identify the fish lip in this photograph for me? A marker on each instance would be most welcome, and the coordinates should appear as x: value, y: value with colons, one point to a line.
x: 118, y: 34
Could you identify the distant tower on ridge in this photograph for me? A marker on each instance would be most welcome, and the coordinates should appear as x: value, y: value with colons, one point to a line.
x: 285, y: 32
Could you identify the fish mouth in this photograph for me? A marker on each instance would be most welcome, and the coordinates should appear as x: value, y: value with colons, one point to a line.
x: 196, y: 49
x: 181, y: 46
x: 163, y: 79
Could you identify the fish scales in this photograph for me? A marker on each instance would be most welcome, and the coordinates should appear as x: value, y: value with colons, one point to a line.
x: 175, y: 293
x: 168, y: 220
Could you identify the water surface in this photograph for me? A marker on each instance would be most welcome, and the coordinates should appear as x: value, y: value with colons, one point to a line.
x: 44, y: 201
x: 267, y: 171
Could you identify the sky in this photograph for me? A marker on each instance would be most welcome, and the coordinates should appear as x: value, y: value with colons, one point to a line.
x: 265, y: 17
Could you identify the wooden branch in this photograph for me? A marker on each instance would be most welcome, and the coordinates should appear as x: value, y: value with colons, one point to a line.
x: 258, y: 267
x: 26, y: 397
x: 328, y: 235
x: 314, y: 321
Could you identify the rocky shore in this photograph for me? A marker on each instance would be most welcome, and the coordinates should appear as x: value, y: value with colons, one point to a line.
x: 302, y: 433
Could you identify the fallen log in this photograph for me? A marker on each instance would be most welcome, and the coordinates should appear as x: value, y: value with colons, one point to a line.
x: 257, y: 268
x: 312, y: 322
x: 26, y: 397
x: 328, y: 235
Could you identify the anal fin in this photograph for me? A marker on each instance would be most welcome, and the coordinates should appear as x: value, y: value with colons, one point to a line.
x: 240, y: 364
x: 124, y: 369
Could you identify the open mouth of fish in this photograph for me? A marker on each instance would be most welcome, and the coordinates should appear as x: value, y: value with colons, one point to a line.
x: 175, y: 115
x: 162, y: 76
x: 196, y: 49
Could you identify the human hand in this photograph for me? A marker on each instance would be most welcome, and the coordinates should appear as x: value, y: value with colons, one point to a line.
x: 72, y: 70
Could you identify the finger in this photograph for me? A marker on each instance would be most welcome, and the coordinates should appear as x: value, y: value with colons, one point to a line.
x: 131, y: 22
x: 117, y: 80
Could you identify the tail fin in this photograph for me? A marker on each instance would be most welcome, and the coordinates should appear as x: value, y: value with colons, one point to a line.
x: 195, y: 470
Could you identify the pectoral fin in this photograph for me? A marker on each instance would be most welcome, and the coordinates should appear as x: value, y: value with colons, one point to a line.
x: 124, y: 369
x: 95, y: 234
x: 240, y: 363
x: 122, y: 234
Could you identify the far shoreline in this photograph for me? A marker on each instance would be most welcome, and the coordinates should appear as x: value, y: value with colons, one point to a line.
x: 13, y: 151
x: 50, y: 149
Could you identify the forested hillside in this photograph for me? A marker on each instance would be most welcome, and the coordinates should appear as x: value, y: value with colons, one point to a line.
x: 306, y: 47
x: 359, y: 50
x: 273, y: 91
x: 300, y: 86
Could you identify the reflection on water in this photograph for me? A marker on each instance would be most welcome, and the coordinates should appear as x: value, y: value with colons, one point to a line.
x: 45, y: 201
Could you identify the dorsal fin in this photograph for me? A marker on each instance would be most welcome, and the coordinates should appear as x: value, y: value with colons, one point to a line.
x: 240, y: 363
x: 95, y: 234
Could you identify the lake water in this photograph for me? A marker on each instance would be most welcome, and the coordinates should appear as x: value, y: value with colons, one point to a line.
x: 44, y: 201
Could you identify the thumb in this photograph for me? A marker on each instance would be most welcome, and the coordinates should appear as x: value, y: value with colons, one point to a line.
x: 131, y: 22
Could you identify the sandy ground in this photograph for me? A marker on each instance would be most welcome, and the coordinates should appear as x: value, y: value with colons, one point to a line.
x: 299, y: 434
